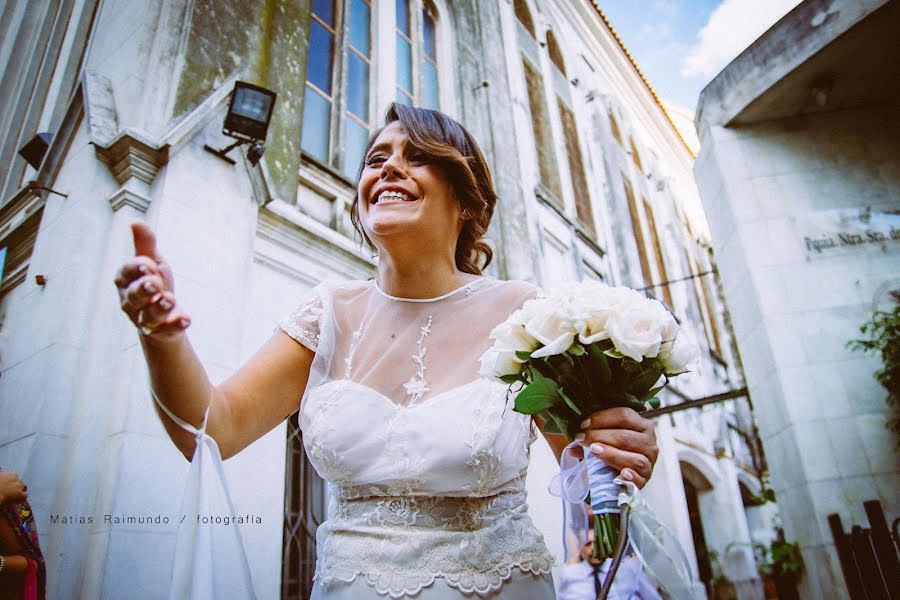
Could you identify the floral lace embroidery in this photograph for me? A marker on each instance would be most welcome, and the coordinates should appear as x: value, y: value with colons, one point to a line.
x: 349, y: 360
x: 483, y: 460
x: 473, y: 543
x: 408, y: 472
x: 303, y: 323
x: 416, y: 387
x: 328, y: 463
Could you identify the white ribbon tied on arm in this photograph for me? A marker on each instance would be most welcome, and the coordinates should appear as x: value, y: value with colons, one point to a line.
x: 655, y: 546
x: 209, y: 561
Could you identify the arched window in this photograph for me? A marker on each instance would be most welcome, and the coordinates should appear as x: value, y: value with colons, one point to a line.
x: 335, y: 118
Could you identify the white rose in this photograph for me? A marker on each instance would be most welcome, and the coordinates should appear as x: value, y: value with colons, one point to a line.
x: 553, y: 327
x: 512, y: 336
x: 496, y: 363
x: 636, y: 332
x: 677, y: 356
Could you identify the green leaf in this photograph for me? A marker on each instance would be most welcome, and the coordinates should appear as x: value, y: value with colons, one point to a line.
x: 537, y: 396
x: 599, y: 367
x: 569, y: 401
x: 649, y: 395
x: 555, y: 424
x: 613, y: 353
x: 523, y: 354
x: 640, y: 385
x: 511, y: 378
x: 576, y: 350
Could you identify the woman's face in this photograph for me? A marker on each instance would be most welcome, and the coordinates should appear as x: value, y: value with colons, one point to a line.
x: 401, y: 194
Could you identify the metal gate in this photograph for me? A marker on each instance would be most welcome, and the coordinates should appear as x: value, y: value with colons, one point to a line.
x: 869, y: 557
x: 305, y: 507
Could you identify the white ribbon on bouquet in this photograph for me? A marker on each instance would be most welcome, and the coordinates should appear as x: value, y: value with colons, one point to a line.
x: 652, y: 543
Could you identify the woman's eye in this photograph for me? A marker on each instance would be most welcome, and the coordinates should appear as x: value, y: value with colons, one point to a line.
x: 418, y: 158
x: 374, y: 159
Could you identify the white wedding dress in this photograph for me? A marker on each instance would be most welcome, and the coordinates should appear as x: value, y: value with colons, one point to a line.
x: 426, y: 461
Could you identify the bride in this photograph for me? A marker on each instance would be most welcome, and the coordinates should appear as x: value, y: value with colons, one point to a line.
x: 426, y: 460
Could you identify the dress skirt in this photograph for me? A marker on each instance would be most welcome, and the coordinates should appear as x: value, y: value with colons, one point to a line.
x: 520, y: 586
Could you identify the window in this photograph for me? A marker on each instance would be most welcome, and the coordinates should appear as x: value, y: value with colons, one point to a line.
x: 337, y: 115
x: 660, y: 262
x: 416, y: 86
x: 326, y: 113
x: 430, y: 88
x: 403, y: 34
x: 638, y: 231
x: 570, y: 137
x: 703, y: 305
x: 635, y: 155
x: 713, y: 331
x: 523, y: 15
x: 540, y: 114
x: 614, y: 127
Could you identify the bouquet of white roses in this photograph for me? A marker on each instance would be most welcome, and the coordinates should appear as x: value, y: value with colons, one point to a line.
x: 586, y: 347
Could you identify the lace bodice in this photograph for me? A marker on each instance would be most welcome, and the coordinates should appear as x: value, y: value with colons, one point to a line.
x: 426, y: 460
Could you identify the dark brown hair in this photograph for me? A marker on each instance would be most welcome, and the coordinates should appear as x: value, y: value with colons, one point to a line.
x: 447, y: 144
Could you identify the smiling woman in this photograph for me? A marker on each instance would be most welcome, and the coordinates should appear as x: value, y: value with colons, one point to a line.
x: 426, y: 459
x: 424, y: 146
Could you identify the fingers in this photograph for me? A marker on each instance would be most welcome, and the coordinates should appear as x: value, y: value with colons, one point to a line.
x: 617, y: 418
x: 141, y: 293
x: 624, y: 440
x: 133, y: 268
x: 636, y: 479
x: 161, y: 315
x: 623, y: 460
x: 623, y: 428
x: 144, y: 240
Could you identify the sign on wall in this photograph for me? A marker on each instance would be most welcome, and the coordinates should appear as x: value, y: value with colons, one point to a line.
x: 841, y: 232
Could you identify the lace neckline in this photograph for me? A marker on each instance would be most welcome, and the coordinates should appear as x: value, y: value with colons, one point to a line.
x: 447, y: 295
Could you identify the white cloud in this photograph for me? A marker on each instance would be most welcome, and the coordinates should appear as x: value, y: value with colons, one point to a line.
x: 731, y: 28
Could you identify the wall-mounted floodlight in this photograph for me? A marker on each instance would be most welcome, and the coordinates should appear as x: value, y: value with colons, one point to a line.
x: 249, y: 113
x: 33, y: 152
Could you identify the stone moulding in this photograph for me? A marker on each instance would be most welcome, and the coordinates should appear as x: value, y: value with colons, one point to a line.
x: 131, y: 156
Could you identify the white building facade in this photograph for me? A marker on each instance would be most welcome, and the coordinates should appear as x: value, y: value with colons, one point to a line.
x: 594, y: 182
x: 799, y: 171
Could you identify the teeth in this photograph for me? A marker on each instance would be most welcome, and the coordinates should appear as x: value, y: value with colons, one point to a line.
x: 392, y: 194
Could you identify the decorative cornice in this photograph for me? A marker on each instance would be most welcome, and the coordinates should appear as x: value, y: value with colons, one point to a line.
x: 129, y: 156
x: 126, y: 197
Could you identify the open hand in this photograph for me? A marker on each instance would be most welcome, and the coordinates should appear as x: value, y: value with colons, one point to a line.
x: 624, y: 440
x: 147, y: 289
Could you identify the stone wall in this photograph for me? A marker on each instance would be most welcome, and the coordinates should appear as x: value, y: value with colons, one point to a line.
x: 768, y: 189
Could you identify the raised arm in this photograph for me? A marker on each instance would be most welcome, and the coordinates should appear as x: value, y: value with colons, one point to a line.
x: 261, y: 394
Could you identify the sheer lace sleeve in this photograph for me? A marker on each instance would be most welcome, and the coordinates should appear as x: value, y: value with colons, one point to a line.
x: 303, y: 323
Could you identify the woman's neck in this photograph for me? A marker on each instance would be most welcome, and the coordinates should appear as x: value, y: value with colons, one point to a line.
x: 421, y: 280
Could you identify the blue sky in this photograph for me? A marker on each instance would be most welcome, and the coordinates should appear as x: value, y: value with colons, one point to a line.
x: 680, y: 45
